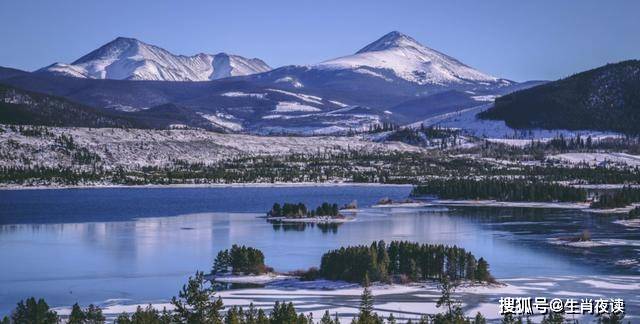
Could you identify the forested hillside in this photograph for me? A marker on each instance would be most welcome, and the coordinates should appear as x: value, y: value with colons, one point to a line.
x: 606, y: 98
x: 29, y: 108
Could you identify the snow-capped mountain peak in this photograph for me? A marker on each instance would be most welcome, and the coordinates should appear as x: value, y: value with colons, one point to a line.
x: 131, y: 59
x: 390, y: 40
x: 411, y: 61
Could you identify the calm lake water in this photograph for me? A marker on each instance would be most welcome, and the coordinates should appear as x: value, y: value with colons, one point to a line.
x: 91, y: 245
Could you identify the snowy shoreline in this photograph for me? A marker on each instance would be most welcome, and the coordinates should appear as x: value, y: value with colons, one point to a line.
x: 412, y: 299
x: 495, y: 203
x: 309, y: 220
x: 212, y: 185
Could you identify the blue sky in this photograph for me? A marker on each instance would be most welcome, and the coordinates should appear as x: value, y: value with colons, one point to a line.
x: 520, y: 40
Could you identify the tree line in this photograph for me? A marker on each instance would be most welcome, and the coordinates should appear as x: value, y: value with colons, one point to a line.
x: 349, y: 166
x: 402, y: 261
x: 197, y: 304
x: 299, y: 210
x: 634, y: 213
x: 499, y: 189
x: 616, y: 199
x: 443, y: 137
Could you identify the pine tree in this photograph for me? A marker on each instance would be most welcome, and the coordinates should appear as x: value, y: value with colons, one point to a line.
x: 32, y: 312
x: 482, y: 270
x: 366, y: 303
x: 446, y: 290
x: 479, y: 319
x: 553, y: 318
x: 391, y: 319
x: 326, y: 318
x: 195, y: 303
x: 285, y: 313
x: 508, y: 318
x: 614, y: 318
x: 233, y: 316
x: 262, y: 317
x: 76, y: 316
x: 123, y: 319
x: 94, y: 315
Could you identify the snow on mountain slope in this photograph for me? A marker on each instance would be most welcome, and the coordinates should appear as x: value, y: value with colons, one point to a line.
x: 411, y: 61
x: 131, y: 59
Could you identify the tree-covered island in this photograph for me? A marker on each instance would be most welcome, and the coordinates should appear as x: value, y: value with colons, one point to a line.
x: 292, y: 212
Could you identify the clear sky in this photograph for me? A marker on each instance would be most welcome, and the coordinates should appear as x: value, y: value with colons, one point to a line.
x: 516, y: 39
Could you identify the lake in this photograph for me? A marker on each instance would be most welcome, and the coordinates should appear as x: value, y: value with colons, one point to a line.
x: 141, y: 244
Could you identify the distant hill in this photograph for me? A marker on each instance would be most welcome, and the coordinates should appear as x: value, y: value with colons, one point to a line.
x: 605, y: 99
x: 6, y: 72
x: 29, y: 108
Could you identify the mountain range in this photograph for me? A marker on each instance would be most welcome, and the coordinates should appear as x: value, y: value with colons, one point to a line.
x: 131, y: 59
x: 393, y: 79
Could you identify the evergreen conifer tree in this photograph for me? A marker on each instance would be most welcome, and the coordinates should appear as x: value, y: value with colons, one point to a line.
x: 196, y: 303
x: 94, y: 315
x: 553, y: 318
x: 34, y: 312
x: 326, y: 318
x: 479, y: 319
x: 76, y: 316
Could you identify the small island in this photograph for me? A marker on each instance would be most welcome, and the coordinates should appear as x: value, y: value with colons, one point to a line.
x: 240, y: 260
x: 299, y: 213
x: 403, y: 262
x: 398, y: 262
x: 408, y: 202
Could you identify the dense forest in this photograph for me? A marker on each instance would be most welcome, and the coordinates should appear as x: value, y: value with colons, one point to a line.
x: 404, y: 261
x: 616, y: 199
x: 299, y: 210
x: 500, y: 189
x: 357, y: 167
x: 426, y: 136
x: 606, y: 98
x: 239, y: 259
x: 634, y: 213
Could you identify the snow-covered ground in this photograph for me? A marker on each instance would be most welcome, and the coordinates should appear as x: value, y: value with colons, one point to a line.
x: 618, y: 210
x: 243, y: 94
x: 410, y: 301
x: 593, y: 159
x: 629, y: 222
x: 135, y: 148
x: 304, y: 97
x: 292, y: 106
x: 494, y: 203
x: 595, y: 243
x: 223, y: 121
x: 403, y: 204
x: 253, y: 279
x: 315, y: 220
